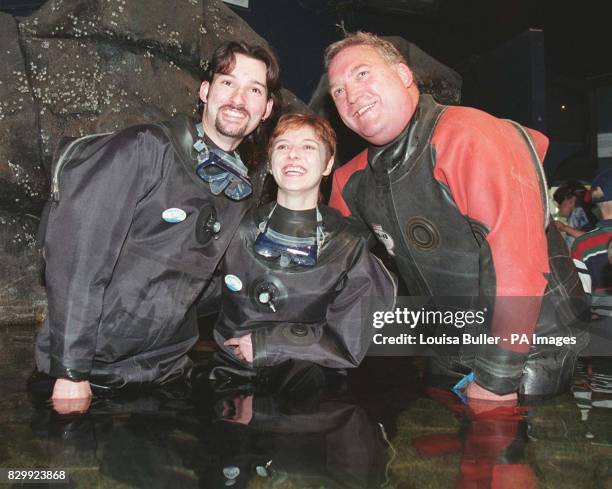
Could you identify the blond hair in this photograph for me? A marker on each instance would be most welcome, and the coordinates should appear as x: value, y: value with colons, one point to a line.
x: 385, y: 48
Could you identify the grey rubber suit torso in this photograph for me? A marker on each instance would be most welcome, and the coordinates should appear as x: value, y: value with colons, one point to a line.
x: 321, y: 314
x: 132, y: 240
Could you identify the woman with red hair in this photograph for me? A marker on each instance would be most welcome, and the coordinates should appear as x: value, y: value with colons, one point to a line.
x: 297, y: 282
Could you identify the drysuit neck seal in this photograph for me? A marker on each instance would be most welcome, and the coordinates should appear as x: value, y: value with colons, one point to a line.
x: 293, y: 236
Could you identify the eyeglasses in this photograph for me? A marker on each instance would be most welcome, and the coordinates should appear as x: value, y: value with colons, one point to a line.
x: 225, y: 174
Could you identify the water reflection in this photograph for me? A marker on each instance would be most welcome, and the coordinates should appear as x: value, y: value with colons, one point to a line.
x: 593, y: 394
x: 491, y: 442
x: 302, y: 426
x: 297, y: 425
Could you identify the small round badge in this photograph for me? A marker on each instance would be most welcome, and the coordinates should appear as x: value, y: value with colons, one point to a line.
x: 233, y: 282
x: 174, y: 215
x: 231, y: 472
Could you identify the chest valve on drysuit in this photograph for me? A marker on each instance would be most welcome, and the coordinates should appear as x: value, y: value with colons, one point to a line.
x: 291, y: 237
x: 268, y: 293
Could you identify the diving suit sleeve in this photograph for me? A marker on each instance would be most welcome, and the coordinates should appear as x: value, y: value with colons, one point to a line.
x: 488, y: 169
x: 88, y: 224
x: 343, y: 339
x: 209, y: 302
x: 340, y: 197
x: 344, y: 183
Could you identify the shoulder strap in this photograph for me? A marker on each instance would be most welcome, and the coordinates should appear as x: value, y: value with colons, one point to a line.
x: 179, y: 132
x: 64, y: 157
x: 67, y: 148
x: 535, y: 159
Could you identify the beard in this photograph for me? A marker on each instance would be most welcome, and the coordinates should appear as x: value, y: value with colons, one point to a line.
x: 231, y: 130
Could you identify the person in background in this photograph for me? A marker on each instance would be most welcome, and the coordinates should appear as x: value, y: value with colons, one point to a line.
x: 590, y: 249
x: 573, y: 200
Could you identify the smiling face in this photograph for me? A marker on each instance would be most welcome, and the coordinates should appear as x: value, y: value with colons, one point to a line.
x: 298, y: 162
x: 235, y: 102
x: 374, y: 98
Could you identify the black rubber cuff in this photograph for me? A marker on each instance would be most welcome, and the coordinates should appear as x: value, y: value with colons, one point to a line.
x: 259, y: 349
x: 62, y: 372
x: 499, y: 370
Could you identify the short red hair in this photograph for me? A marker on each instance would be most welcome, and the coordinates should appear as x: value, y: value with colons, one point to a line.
x: 322, y: 129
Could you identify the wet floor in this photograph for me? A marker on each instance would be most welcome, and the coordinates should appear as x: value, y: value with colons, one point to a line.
x: 304, y: 427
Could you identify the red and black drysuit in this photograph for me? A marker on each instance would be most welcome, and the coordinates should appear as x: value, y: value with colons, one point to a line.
x: 458, y: 201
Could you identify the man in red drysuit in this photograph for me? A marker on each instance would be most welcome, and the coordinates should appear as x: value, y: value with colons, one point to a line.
x: 458, y: 199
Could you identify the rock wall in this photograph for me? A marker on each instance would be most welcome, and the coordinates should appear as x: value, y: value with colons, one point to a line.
x: 84, y: 66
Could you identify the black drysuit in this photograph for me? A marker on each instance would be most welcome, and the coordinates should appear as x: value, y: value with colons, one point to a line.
x: 321, y: 314
x: 121, y: 276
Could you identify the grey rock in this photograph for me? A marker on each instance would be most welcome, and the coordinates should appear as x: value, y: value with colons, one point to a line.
x: 22, y: 296
x: 185, y: 31
x: 86, y: 86
x: 23, y: 183
x: 101, y: 65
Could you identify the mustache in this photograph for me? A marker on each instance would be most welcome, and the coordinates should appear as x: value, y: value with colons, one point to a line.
x: 237, y: 108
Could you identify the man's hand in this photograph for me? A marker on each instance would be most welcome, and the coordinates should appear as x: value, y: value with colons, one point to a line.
x: 243, y: 347
x: 481, y: 399
x: 70, y: 396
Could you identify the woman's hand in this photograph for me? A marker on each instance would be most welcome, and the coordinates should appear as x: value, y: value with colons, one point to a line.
x: 243, y: 347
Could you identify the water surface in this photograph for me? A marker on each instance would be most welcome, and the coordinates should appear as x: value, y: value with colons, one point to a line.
x: 303, y: 427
